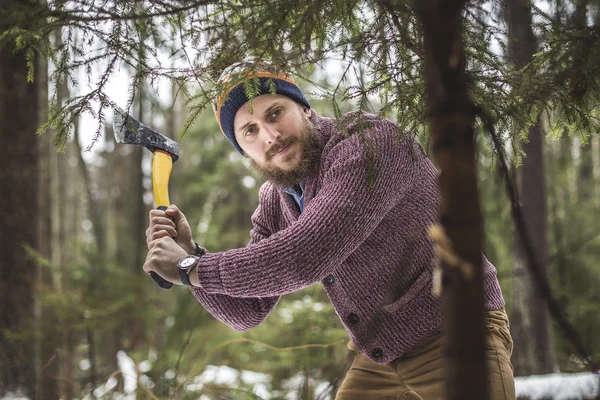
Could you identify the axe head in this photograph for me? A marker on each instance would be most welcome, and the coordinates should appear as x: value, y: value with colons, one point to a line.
x: 130, y: 131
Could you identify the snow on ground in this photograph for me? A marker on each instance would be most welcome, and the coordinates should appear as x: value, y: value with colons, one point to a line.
x: 224, y: 375
x: 559, y: 386
x: 17, y: 395
x: 580, y: 386
x: 128, y: 369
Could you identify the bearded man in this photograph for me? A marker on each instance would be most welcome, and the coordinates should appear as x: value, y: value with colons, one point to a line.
x: 347, y: 203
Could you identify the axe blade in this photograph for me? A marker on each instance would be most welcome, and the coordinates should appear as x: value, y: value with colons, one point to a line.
x: 131, y: 131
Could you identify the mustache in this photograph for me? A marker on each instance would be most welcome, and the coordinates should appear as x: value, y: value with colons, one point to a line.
x: 278, y: 146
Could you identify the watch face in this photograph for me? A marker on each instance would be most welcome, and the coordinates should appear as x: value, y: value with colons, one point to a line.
x: 187, y: 262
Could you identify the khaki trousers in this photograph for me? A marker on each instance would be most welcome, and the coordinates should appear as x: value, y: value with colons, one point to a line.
x: 419, y: 374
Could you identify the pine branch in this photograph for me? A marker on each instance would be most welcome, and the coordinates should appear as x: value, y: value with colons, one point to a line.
x: 386, y: 4
x: 65, y: 16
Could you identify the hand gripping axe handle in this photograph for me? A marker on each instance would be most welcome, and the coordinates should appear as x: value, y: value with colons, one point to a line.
x: 165, y: 152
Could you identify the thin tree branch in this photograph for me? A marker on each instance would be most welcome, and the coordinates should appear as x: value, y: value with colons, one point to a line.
x: 401, y: 31
x: 111, y: 16
x: 573, y: 248
x: 542, y: 284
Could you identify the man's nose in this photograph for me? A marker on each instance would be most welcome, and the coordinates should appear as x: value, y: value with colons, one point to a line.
x: 270, y: 133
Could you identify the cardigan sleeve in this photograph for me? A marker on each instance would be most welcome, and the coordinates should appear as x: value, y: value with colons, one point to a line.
x: 241, y: 314
x: 364, y: 176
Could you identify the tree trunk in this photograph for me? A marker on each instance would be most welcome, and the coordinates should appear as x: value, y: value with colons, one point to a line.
x: 137, y: 227
x: 585, y: 174
x: 556, y: 203
x: 65, y: 222
x: 96, y: 263
x: 48, y: 369
x: 18, y: 225
x: 453, y: 150
x: 94, y: 207
x: 530, y: 319
x: 139, y: 217
x: 111, y: 339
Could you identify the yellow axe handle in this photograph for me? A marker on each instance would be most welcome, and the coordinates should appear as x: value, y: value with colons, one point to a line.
x: 162, y: 164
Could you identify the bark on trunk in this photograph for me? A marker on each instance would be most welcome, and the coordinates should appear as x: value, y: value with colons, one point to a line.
x: 453, y: 149
x: 530, y: 319
x: 18, y: 225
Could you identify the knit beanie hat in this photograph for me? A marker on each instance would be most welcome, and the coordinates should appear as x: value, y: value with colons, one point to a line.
x: 243, y: 81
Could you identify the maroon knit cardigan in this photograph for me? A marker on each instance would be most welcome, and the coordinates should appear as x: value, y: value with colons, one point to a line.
x: 363, y: 234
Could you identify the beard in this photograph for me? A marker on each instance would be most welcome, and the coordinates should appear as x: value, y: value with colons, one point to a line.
x: 310, y: 157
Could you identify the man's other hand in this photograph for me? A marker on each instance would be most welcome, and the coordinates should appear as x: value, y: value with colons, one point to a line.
x: 162, y: 258
x: 176, y: 226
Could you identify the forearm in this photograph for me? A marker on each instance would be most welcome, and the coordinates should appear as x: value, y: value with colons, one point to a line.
x: 241, y: 314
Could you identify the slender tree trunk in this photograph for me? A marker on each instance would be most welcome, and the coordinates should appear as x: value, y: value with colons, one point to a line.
x: 67, y: 366
x: 557, y: 203
x: 586, y: 184
x: 95, y: 264
x: 18, y: 225
x: 585, y: 174
x: 530, y: 319
x: 139, y: 220
x: 49, y: 337
x: 65, y: 220
x: 453, y: 147
x: 62, y: 259
x: 91, y: 354
x: 95, y: 207
x: 111, y: 338
x: 137, y: 223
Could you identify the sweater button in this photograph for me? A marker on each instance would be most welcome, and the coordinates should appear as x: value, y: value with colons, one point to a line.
x: 353, y: 318
x: 329, y: 279
x: 377, y: 352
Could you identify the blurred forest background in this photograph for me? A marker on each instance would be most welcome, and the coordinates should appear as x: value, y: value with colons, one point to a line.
x: 79, y: 316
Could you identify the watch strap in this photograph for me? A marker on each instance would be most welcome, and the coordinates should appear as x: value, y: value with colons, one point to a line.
x: 200, y: 251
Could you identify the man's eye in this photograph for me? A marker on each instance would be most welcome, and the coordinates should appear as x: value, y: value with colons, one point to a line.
x: 250, y: 130
x: 275, y: 113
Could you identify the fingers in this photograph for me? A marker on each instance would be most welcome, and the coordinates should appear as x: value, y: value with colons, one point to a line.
x: 171, y: 216
x: 159, y: 214
x: 157, y: 231
x: 172, y: 223
x: 159, y: 234
x: 157, y: 245
x: 158, y: 217
x: 160, y: 222
x: 174, y: 212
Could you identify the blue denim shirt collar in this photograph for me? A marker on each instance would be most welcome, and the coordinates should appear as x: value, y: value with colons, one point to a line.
x: 298, y: 197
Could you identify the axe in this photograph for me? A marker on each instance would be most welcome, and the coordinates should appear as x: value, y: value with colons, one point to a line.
x: 165, y: 152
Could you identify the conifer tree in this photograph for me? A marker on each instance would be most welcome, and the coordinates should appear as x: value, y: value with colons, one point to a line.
x: 529, y: 317
x: 18, y: 227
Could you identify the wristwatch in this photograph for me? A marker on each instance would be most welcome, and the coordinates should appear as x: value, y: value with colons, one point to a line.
x: 185, y: 266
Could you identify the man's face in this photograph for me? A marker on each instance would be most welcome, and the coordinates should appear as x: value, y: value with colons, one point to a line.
x: 276, y: 134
